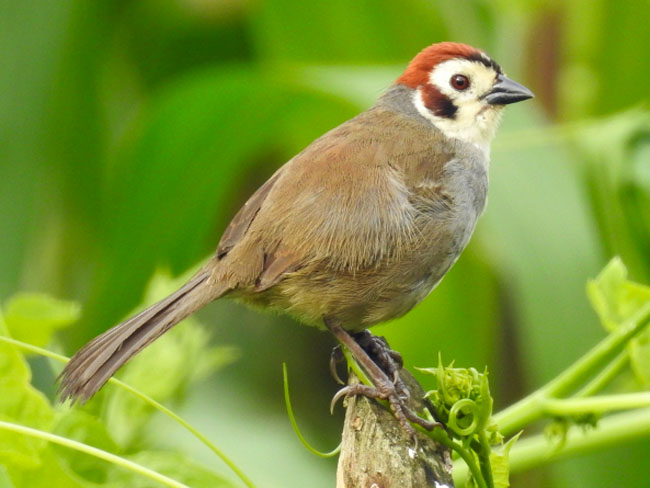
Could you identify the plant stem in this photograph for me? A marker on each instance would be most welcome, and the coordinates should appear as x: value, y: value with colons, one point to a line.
x: 595, y: 405
x: 470, y: 465
x: 92, y: 451
x: 484, y: 459
x: 605, y: 377
x: 294, y: 424
x: 600, y: 355
x: 615, y: 429
x: 530, y: 408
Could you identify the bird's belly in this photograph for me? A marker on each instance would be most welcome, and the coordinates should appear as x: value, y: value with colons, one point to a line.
x: 362, y: 298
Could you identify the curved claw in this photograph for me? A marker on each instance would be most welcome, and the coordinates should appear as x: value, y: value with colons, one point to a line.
x: 400, y: 387
x: 358, y: 389
x: 336, y: 357
x: 416, y: 442
x: 339, y: 394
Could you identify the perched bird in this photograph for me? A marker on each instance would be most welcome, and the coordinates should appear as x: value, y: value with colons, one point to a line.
x: 357, y: 228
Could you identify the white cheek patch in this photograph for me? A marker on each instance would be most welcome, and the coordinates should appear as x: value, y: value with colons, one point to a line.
x: 474, y: 121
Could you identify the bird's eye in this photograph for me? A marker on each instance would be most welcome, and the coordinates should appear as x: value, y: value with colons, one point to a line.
x: 459, y: 82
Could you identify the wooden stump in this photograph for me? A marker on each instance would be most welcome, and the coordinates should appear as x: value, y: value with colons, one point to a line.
x: 377, y: 453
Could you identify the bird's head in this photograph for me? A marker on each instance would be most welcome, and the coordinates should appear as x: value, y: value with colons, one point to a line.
x: 461, y: 90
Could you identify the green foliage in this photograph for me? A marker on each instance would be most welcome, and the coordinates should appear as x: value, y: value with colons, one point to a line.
x: 23, y: 404
x: 463, y: 403
x: 461, y: 400
x: 33, y: 318
x: 500, y: 463
x: 624, y: 308
x: 113, y: 423
x: 616, y: 154
x: 616, y: 299
x: 175, y: 465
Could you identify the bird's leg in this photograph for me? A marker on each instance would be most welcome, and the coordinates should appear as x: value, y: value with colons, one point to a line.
x: 384, y: 388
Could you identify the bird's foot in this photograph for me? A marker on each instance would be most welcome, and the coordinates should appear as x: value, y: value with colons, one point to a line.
x: 387, y: 391
x: 389, y: 360
x: 384, y: 376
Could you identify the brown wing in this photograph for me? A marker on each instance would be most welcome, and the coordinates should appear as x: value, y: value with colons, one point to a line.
x: 244, y: 218
x: 273, y: 263
x: 343, y: 201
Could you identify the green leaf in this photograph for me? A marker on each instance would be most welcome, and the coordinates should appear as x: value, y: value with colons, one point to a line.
x: 163, y: 371
x: 51, y: 472
x: 616, y: 299
x: 33, y: 317
x: 500, y: 464
x: 20, y: 402
x: 80, y: 426
x: 174, y: 465
x: 605, y: 293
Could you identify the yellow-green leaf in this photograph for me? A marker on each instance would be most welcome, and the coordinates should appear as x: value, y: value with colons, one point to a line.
x: 33, y: 317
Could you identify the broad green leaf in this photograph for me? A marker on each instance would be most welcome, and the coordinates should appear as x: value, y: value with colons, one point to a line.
x: 34, y: 317
x: 174, y: 465
x: 76, y: 424
x: 51, y: 472
x: 21, y: 403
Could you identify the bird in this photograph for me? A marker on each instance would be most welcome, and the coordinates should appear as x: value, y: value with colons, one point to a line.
x: 356, y: 229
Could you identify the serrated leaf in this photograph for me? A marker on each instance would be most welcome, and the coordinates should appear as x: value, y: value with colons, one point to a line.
x: 33, y: 317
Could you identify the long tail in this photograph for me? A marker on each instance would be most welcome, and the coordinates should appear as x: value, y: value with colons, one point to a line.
x: 93, y: 365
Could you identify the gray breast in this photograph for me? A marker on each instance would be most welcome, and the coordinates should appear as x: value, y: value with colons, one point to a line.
x: 465, y: 183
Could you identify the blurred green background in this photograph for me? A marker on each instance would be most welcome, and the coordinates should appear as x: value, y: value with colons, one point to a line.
x: 131, y: 131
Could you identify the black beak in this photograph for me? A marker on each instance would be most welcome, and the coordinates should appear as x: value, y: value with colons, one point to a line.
x: 506, y: 91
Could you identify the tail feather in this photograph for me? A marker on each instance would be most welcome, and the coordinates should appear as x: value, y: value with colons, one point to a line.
x: 93, y: 365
